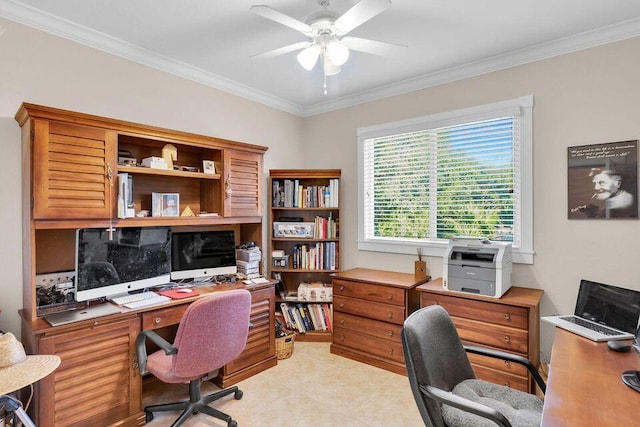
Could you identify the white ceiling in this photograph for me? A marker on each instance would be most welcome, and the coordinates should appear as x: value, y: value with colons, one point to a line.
x: 212, y: 41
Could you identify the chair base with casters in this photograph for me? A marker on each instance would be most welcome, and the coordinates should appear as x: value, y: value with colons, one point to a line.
x: 196, y: 404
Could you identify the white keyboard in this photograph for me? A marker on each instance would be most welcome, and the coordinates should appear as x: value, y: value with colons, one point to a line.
x: 141, y: 299
x: 158, y: 299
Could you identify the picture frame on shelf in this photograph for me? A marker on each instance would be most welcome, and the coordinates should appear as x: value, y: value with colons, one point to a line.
x: 165, y: 204
x: 209, y: 167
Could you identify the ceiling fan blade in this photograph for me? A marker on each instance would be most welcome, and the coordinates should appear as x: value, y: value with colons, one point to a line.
x: 281, y: 18
x: 358, y: 14
x: 283, y: 50
x: 370, y: 46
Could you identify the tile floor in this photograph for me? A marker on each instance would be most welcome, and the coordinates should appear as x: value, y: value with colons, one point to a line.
x: 311, y: 388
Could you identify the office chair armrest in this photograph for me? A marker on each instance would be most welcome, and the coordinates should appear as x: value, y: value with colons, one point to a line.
x: 511, y: 358
x: 466, y: 405
x: 141, y: 348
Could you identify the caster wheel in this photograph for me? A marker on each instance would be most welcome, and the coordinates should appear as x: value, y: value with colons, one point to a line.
x: 238, y: 395
x: 232, y: 423
x: 148, y: 417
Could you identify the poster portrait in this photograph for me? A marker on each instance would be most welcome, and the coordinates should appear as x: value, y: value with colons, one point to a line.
x: 603, y: 180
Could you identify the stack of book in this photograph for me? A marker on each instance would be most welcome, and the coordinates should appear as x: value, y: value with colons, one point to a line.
x: 318, y: 256
x: 290, y: 194
x: 307, y: 317
x: 325, y: 228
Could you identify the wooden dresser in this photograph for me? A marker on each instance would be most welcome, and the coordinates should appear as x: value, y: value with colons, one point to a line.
x: 369, y: 308
x: 510, y: 323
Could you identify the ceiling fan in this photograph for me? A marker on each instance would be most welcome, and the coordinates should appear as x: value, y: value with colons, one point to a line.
x: 327, y: 31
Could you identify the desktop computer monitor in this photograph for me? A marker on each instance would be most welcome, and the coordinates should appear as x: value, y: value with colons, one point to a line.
x: 203, y: 254
x: 128, y: 259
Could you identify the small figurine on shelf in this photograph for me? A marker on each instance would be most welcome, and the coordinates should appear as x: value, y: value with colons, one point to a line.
x: 169, y: 154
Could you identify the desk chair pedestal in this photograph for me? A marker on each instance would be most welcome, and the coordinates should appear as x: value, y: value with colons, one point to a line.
x: 196, y: 404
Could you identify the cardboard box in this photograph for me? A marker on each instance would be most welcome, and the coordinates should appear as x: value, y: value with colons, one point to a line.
x: 154, y: 163
x: 315, y: 292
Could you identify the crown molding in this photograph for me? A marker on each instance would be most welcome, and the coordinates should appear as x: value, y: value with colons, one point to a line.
x: 52, y: 24
x: 57, y: 26
x: 601, y: 36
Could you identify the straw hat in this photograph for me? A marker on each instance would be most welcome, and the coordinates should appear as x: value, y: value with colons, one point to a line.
x: 18, y: 370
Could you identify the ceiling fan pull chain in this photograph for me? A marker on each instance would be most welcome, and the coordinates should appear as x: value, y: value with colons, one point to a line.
x: 325, y: 84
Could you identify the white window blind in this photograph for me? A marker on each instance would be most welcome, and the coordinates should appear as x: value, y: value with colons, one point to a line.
x: 426, y: 180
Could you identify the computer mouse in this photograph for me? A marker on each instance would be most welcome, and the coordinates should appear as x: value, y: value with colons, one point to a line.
x: 617, y: 345
x: 184, y: 291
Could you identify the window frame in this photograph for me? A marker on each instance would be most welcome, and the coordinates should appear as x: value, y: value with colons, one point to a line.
x: 522, y: 107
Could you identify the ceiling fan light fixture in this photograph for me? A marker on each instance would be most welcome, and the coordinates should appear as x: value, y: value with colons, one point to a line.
x: 337, y: 52
x: 309, y: 56
x: 330, y: 69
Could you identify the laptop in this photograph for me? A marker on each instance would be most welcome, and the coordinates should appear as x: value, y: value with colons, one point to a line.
x: 64, y: 317
x: 602, y: 313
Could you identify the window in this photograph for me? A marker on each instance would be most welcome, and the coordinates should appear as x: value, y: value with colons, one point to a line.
x: 466, y: 172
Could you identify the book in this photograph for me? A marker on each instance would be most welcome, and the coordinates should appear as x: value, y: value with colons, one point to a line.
x: 326, y: 308
x: 303, y: 316
x: 287, y: 316
x: 299, y: 322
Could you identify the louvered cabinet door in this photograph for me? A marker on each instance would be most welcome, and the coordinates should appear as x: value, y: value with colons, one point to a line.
x: 70, y: 171
x: 242, y: 183
x: 97, y: 382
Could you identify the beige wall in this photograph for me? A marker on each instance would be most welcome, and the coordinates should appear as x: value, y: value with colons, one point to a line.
x: 586, y: 97
x: 42, y: 69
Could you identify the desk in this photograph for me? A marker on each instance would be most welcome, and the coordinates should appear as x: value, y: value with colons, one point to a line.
x: 98, y: 379
x: 584, y: 386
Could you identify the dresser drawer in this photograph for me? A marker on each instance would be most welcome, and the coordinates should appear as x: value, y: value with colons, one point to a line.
x: 372, y: 310
x: 377, y: 293
x: 503, y: 337
x: 376, y: 328
x: 501, y: 377
x: 163, y: 317
x: 368, y: 344
x: 501, y: 314
x: 498, y: 364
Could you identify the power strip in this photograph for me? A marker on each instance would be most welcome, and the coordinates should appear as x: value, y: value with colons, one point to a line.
x: 62, y: 278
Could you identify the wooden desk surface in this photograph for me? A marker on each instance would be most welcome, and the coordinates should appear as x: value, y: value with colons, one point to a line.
x: 585, y: 387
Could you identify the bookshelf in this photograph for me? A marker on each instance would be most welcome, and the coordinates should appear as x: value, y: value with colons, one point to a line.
x: 304, y: 237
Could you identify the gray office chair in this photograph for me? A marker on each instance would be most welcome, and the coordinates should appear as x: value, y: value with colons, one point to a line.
x: 443, y: 382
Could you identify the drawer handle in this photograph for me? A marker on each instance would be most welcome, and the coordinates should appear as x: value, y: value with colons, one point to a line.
x: 507, y: 339
x: 390, y: 351
x: 342, y: 321
x: 507, y: 383
x: 96, y: 323
x: 342, y: 288
x: 390, y: 333
x: 507, y: 316
x: 390, y: 315
x: 341, y: 337
x: 341, y: 304
x: 507, y: 363
x: 390, y: 297
x: 157, y: 320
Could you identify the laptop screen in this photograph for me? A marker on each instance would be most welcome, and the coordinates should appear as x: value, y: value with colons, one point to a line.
x: 609, y: 305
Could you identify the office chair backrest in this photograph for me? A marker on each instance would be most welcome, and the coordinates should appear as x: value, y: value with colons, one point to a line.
x: 434, y: 356
x: 213, y: 331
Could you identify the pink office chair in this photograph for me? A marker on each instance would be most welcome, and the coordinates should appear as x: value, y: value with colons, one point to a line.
x: 212, y: 332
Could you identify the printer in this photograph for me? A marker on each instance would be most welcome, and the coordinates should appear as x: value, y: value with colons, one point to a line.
x: 478, y: 266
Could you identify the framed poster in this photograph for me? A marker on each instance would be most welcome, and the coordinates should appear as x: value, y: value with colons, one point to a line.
x: 603, y: 180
